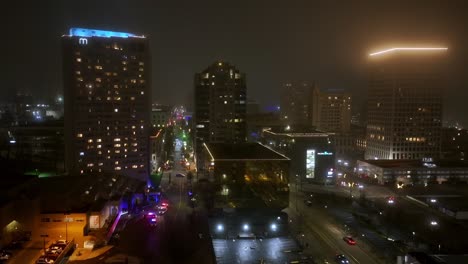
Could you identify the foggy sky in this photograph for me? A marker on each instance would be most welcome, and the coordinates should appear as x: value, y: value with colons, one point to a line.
x: 271, y: 41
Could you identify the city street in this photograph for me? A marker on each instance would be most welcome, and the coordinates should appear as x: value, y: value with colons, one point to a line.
x: 320, y: 230
x: 181, y: 234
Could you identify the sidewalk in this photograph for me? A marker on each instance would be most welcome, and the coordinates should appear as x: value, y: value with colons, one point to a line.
x: 84, y: 254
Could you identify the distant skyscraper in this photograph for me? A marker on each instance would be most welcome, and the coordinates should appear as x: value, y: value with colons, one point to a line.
x: 331, y: 110
x: 220, y: 106
x: 107, y: 102
x: 296, y: 102
x: 405, y: 103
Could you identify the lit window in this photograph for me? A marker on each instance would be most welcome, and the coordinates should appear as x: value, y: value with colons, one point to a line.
x: 116, y: 110
x: 79, y: 135
x: 116, y: 139
x: 118, y: 168
x: 78, y: 59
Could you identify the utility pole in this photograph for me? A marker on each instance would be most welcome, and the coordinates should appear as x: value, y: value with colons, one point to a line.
x: 43, y: 237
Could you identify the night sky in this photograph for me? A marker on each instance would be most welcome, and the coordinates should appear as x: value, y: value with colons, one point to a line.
x: 271, y: 41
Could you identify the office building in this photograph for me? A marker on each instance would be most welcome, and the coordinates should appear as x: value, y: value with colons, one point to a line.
x: 107, y: 102
x: 296, y: 103
x: 220, y: 107
x: 160, y: 115
x: 331, y: 110
x: 405, y: 103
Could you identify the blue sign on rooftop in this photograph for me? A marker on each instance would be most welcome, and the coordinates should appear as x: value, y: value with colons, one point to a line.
x: 85, y: 32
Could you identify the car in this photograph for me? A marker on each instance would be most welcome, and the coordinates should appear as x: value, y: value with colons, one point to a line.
x: 349, y: 240
x: 5, y: 255
x: 340, y: 258
x: 45, y: 260
x: 162, y: 210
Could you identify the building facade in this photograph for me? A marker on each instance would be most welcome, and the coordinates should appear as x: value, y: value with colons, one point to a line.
x: 107, y: 102
x: 247, y: 175
x: 311, y: 152
x: 405, y: 103
x: 331, y: 110
x: 296, y: 103
x: 160, y: 115
x: 220, y: 107
x: 413, y: 172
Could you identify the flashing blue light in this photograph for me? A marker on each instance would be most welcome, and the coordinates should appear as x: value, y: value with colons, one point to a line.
x: 85, y: 32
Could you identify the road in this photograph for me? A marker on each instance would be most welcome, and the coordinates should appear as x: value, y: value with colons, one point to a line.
x: 324, y: 236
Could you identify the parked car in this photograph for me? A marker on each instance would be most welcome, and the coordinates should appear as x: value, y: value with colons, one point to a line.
x: 5, y: 255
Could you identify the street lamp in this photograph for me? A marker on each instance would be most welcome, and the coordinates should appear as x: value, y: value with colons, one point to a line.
x: 66, y: 226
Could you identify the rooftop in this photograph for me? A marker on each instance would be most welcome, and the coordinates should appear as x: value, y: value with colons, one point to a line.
x: 296, y: 132
x: 418, y: 163
x: 242, y: 151
x: 86, y: 32
x: 409, y: 49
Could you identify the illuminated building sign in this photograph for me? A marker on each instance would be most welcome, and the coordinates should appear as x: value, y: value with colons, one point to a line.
x: 83, y: 41
x: 325, y: 153
x: 310, y: 163
x: 87, y: 33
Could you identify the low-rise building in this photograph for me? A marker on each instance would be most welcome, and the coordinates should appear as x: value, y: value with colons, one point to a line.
x: 247, y: 175
x: 402, y: 172
x: 311, y: 152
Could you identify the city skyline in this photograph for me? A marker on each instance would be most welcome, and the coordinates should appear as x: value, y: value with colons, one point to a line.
x: 274, y: 44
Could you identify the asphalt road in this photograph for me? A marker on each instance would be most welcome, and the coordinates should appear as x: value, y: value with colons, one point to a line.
x: 320, y: 230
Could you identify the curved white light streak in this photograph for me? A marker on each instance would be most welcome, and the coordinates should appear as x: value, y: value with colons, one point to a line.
x: 407, y: 49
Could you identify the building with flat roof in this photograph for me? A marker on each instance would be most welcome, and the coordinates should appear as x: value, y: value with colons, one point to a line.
x: 331, y: 110
x: 247, y: 175
x: 107, y: 102
x: 402, y: 172
x: 405, y: 103
x: 311, y: 152
x: 220, y: 107
x: 296, y: 103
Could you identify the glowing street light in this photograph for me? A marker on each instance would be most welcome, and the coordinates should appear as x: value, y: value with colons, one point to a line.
x: 434, y: 223
x: 273, y: 227
x: 220, y: 228
x: 246, y: 227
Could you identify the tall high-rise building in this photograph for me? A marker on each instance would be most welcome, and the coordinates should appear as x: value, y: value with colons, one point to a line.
x: 296, y: 102
x: 405, y: 103
x: 331, y: 110
x: 220, y: 106
x: 107, y: 93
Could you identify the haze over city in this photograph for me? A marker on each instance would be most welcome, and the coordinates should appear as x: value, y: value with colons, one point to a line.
x: 274, y: 42
x: 234, y: 132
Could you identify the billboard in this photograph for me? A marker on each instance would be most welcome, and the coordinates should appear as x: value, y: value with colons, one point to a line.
x: 94, y: 222
x: 310, y: 164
